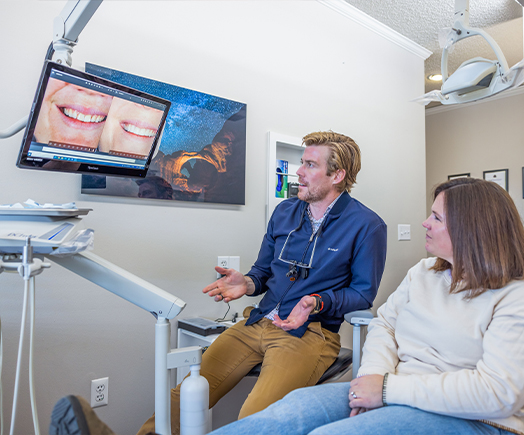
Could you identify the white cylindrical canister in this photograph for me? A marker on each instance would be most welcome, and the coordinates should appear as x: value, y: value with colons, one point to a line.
x: 194, y: 404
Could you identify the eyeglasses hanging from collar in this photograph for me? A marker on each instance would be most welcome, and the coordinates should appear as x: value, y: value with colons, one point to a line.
x: 294, y: 265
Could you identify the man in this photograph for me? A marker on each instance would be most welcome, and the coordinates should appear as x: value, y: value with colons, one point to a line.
x: 323, y: 255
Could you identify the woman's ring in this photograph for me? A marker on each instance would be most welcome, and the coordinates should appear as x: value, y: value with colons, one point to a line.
x: 353, y: 394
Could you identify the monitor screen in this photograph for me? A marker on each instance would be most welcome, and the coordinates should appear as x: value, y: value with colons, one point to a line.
x: 86, y: 124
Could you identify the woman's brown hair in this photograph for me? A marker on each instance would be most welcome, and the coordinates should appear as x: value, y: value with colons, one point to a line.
x: 486, y: 233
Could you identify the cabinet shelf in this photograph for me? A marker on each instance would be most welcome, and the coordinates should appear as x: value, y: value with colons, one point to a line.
x: 286, y: 175
x: 281, y: 147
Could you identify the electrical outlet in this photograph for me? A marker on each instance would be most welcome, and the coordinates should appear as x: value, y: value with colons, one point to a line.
x: 222, y: 261
x: 228, y: 262
x: 99, y: 392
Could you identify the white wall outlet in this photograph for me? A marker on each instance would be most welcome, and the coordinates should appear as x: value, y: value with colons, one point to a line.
x: 228, y: 262
x: 223, y: 261
x: 404, y: 232
x: 99, y: 392
x: 234, y: 262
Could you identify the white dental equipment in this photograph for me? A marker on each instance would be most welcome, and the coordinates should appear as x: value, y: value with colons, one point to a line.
x: 476, y: 78
x: 66, y: 29
x: 24, y: 232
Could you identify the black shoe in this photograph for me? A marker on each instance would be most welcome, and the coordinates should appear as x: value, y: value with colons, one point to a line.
x: 72, y: 415
x: 68, y: 418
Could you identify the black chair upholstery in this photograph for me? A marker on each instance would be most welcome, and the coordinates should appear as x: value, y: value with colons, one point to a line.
x: 336, y: 370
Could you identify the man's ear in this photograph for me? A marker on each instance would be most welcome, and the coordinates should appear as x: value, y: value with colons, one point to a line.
x: 339, y: 176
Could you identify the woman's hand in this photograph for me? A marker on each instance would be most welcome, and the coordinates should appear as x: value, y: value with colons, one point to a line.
x: 365, y: 392
x: 357, y: 411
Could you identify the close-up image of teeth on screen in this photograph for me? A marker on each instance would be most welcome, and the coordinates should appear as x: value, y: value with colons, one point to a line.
x: 83, y: 123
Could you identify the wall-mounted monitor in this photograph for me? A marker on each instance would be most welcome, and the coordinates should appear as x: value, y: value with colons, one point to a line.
x: 86, y: 124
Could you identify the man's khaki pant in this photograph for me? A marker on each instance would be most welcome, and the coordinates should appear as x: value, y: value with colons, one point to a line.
x: 288, y: 363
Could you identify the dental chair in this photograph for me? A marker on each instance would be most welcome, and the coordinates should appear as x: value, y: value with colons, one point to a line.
x: 347, y: 358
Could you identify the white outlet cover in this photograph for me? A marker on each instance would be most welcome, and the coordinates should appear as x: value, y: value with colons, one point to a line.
x: 99, y: 392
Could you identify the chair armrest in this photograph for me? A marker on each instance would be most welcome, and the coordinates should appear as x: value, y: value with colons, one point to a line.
x: 358, y: 319
x: 362, y: 317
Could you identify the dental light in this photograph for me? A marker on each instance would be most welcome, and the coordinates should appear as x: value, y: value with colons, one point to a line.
x: 476, y: 78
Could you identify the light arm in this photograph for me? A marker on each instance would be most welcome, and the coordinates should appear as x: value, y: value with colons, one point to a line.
x: 462, y: 12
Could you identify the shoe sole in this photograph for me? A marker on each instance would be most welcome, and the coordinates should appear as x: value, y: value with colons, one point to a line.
x: 68, y: 418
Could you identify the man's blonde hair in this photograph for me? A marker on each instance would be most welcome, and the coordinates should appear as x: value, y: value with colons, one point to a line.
x: 344, y: 154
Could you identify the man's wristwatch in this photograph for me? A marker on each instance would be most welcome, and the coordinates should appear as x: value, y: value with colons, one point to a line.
x: 319, y: 305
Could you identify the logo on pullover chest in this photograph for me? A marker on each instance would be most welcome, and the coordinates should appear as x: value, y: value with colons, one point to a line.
x: 333, y: 249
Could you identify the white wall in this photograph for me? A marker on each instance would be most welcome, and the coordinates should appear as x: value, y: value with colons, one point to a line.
x: 477, y: 137
x: 300, y: 67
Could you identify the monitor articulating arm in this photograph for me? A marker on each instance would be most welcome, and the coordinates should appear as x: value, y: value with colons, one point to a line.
x: 66, y: 28
x: 68, y: 25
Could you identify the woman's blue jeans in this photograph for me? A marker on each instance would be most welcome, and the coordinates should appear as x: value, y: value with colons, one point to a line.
x: 324, y: 410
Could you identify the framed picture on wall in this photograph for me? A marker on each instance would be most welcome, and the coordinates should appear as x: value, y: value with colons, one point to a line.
x: 452, y: 177
x: 202, y: 153
x: 499, y: 176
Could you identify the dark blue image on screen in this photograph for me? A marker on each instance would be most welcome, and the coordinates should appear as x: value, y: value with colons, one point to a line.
x: 201, y: 155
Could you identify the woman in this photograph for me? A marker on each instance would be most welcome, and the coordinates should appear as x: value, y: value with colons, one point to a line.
x: 446, y: 353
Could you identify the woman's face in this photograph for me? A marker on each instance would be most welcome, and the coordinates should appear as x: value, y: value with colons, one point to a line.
x: 130, y: 128
x: 72, y: 115
x: 438, y: 242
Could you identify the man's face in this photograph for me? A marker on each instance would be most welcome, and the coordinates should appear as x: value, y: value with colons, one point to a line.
x: 314, y: 183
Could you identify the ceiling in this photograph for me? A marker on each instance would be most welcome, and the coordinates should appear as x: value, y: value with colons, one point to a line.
x: 421, y: 21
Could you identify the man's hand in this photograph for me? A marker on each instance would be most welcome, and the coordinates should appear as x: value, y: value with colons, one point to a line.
x: 365, y: 393
x: 298, y: 316
x: 232, y: 286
